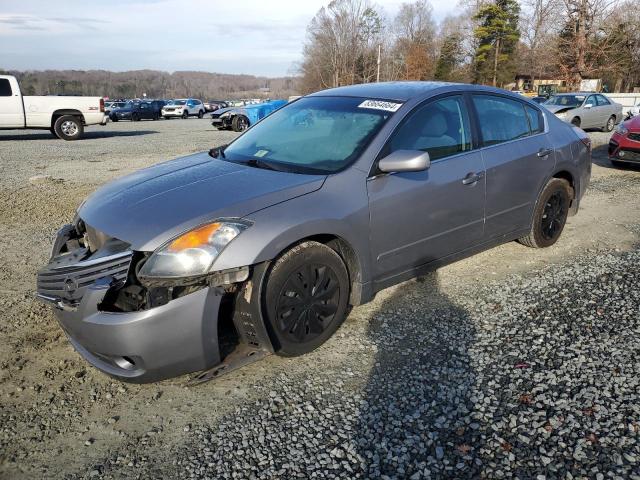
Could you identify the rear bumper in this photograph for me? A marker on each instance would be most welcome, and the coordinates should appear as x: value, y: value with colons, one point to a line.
x: 150, y: 345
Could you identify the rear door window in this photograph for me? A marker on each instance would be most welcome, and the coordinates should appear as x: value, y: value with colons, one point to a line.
x: 602, y: 100
x: 535, y: 119
x: 5, y: 88
x: 440, y: 128
x: 500, y: 119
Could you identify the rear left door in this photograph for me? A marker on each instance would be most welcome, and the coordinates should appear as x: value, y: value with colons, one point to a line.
x: 518, y: 156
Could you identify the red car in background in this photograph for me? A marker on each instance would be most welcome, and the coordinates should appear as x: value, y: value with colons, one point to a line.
x: 624, y: 146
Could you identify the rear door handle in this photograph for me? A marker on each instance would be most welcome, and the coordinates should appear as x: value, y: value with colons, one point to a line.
x: 544, y: 152
x: 472, y: 178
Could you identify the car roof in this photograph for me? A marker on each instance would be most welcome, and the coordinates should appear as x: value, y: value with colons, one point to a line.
x: 404, y: 91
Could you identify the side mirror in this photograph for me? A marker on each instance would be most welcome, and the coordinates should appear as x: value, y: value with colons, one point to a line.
x: 405, y: 161
x: 588, y: 105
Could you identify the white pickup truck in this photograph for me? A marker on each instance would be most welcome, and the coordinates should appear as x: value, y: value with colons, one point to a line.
x: 64, y: 116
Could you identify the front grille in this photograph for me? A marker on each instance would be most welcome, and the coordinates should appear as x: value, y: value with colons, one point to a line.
x: 69, y: 282
x: 634, y: 136
x: 629, y: 155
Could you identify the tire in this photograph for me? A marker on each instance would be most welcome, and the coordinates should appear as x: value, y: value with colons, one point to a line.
x: 68, y: 127
x: 575, y: 122
x: 200, y: 114
x: 156, y: 116
x: 549, y: 215
x: 114, y: 119
x: 611, y: 122
x: 135, y: 117
x: 185, y: 114
x: 304, y: 282
x: 53, y: 132
x: 166, y: 117
x: 239, y: 123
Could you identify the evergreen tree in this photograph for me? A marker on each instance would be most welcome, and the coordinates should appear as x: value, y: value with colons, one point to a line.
x: 450, y: 57
x: 497, y: 36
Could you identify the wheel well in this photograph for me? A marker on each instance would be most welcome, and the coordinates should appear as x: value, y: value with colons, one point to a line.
x: 348, y: 255
x: 563, y: 174
x: 59, y: 113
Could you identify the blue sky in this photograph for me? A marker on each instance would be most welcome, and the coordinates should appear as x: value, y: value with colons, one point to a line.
x: 261, y: 37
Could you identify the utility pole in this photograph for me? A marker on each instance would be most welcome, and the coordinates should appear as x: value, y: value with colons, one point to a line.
x: 378, y: 75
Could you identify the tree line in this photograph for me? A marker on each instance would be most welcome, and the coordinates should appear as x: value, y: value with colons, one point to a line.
x: 487, y: 42
x: 155, y: 84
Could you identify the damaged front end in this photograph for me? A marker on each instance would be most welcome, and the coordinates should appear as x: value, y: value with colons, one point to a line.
x: 143, y: 329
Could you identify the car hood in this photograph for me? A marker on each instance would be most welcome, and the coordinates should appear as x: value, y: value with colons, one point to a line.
x: 150, y: 207
x: 558, y: 108
x: 633, y: 124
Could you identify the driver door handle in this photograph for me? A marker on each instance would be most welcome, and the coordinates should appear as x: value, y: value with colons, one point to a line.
x: 472, y: 178
x: 544, y: 152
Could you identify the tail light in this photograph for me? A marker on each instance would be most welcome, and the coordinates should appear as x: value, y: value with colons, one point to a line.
x: 587, y: 142
x: 102, y: 105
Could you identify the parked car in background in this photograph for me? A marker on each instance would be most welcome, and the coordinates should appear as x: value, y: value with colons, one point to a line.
x: 135, y: 110
x: 624, y: 146
x: 64, y: 116
x: 325, y: 202
x: 633, y: 112
x: 239, y: 119
x: 109, y: 106
x: 183, y: 108
x: 585, y: 110
x: 213, y: 105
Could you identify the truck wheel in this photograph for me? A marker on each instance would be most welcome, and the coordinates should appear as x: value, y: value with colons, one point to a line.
x: 68, y: 127
x: 240, y: 123
x: 549, y: 215
x: 306, y: 298
x: 200, y: 114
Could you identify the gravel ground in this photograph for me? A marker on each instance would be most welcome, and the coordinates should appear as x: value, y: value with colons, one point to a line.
x: 513, y: 363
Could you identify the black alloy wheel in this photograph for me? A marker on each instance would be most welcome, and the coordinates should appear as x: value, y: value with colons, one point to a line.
x: 306, y: 297
x: 554, y: 215
x: 550, y: 214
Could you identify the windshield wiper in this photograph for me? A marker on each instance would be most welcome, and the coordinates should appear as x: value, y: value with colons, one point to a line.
x: 255, y: 162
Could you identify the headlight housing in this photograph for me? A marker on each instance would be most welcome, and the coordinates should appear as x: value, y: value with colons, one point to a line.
x: 225, y: 114
x: 621, y: 129
x: 562, y: 114
x: 191, y: 255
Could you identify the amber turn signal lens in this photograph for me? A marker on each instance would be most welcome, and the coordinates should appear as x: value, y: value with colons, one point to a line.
x: 195, y: 238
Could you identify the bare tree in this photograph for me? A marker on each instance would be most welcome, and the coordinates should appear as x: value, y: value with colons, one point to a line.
x: 540, y: 21
x: 415, y: 32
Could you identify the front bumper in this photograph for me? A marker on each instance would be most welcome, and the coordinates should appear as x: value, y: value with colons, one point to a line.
x: 173, y: 113
x: 148, y: 345
x: 620, y: 151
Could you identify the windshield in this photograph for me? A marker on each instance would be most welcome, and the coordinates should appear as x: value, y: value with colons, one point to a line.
x: 311, y: 135
x: 130, y: 104
x: 566, y: 100
x: 177, y: 102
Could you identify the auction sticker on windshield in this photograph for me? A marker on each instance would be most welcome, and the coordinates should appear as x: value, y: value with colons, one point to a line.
x: 380, y: 105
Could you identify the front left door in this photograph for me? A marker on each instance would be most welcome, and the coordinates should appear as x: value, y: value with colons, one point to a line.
x: 419, y: 217
x: 11, y: 112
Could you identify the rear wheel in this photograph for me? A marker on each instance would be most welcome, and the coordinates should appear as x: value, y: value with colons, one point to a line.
x: 306, y: 298
x: 68, y: 127
x: 550, y: 214
x: 575, y: 122
x: 611, y: 122
x: 240, y: 123
x: 200, y: 114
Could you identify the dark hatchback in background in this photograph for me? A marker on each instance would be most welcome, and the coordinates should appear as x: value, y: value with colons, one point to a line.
x: 314, y: 209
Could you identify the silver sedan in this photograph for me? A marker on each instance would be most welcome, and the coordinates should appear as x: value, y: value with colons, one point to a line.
x: 585, y: 110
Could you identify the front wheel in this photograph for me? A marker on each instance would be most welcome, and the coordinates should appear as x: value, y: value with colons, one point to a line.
x: 306, y: 298
x: 550, y: 214
x: 239, y: 123
x: 611, y: 122
x: 134, y: 117
x: 68, y: 127
x: 576, y: 122
x: 185, y: 114
x: 200, y: 114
